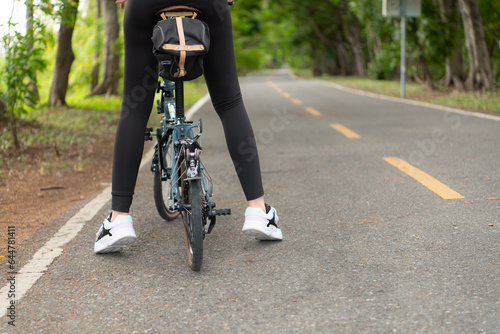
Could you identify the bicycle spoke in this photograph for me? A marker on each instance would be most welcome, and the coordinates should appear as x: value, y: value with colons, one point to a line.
x: 208, y: 179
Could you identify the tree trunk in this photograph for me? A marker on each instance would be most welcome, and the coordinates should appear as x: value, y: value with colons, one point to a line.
x: 493, y: 43
x: 111, y: 57
x: 353, y: 36
x: 64, y: 55
x: 317, y: 62
x: 64, y: 59
x: 332, y: 67
x: 479, y: 61
x: 97, y: 46
x: 7, y: 114
x: 424, y: 75
x: 31, y: 38
x: 374, y: 45
x: 455, y: 72
x: 323, y: 61
x: 3, y: 110
x: 13, y: 129
x: 343, y: 59
x: 345, y: 68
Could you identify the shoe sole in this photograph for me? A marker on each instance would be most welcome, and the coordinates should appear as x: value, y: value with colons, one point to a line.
x: 114, y: 246
x: 254, y: 230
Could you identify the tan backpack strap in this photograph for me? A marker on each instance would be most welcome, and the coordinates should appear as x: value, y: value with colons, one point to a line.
x: 182, y: 44
x: 175, y: 47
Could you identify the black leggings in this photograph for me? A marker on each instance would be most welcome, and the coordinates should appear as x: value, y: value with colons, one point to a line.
x: 139, y: 89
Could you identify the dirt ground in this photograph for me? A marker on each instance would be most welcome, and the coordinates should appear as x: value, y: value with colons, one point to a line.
x: 33, y: 194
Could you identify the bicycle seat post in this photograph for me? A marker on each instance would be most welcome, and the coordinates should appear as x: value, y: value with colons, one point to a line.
x: 179, y: 99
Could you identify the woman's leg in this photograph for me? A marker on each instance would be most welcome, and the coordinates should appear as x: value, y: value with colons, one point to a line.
x: 139, y: 88
x: 138, y: 93
x: 222, y: 81
x: 223, y: 85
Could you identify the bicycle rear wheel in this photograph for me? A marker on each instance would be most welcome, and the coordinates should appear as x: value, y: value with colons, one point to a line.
x: 193, y: 222
x: 162, y: 185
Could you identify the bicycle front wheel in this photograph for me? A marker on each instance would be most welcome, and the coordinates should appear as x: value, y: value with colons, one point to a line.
x: 164, y: 199
x: 193, y: 222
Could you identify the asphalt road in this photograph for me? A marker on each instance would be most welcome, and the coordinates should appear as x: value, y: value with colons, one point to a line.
x: 367, y: 247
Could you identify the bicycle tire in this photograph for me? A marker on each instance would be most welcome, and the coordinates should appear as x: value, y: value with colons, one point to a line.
x: 163, y: 188
x: 193, y: 222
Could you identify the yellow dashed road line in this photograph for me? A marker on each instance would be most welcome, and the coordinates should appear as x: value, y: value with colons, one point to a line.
x: 313, y: 111
x: 284, y: 94
x: 425, y: 179
x: 345, y: 131
x: 272, y: 84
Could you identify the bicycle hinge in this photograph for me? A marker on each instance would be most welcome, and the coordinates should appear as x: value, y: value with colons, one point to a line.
x: 147, y: 134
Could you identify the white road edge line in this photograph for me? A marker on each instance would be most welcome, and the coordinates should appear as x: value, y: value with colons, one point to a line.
x: 412, y: 102
x: 27, y: 276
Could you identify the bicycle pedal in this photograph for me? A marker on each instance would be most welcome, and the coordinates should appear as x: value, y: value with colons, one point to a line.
x: 223, y: 212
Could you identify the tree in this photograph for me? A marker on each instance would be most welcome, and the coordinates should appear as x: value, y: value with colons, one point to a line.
x: 30, y: 17
x: 423, y: 73
x: 352, y: 32
x: 64, y: 54
x: 97, y: 52
x: 3, y: 110
x: 454, y: 64
x: 111, y: 55
x: 23, y: 58
x: 490, y: 13
x: 479, y: 61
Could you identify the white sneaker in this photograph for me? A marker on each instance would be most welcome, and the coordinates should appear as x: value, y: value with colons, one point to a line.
x: 263, y: 226
x: 113, y: 236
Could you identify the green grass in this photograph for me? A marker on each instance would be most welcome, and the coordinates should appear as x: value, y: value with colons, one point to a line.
x: 488, y: 101
x: 481, y: 101
x: 80, y: 100
x: 389, y: 88
x: 193, y: 91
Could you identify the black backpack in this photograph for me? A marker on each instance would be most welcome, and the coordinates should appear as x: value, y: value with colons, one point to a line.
x: 179, y: 44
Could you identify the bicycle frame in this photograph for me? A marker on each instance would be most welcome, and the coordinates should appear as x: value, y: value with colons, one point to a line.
x: 182, y: 142
x: 177, y: 167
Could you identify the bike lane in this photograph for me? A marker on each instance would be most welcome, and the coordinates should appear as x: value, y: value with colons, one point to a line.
x: 365, y: 247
